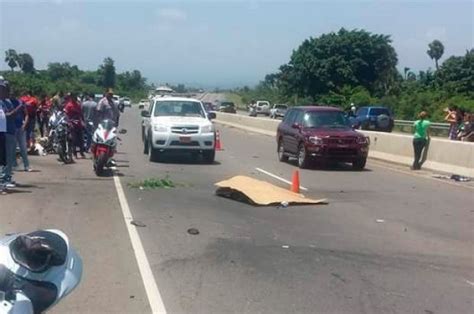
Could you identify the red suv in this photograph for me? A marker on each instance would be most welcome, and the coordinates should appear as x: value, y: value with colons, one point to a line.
x: 321, y: 133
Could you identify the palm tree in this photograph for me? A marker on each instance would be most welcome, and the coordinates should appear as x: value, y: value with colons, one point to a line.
x: 405, y: 70
x: 11, y: 58
x: 436, y: 51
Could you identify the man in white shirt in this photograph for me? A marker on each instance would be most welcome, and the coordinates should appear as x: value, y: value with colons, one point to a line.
x: 106, y: 108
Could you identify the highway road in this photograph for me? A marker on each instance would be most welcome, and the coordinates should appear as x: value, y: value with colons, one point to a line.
x: 388, y: 241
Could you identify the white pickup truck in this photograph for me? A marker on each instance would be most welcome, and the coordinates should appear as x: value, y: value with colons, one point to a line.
x: 260, y: 107
x: 180, y: 125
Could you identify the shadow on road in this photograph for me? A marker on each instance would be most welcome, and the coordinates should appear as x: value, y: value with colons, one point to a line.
x: 185, y: 159
x: 330, y: 166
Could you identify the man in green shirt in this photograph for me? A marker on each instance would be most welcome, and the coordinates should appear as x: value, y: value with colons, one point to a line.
x: 420, y: 138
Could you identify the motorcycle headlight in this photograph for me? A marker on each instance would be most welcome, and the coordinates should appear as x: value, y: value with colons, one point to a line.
x: 207, y: 129
x: 315, y: 140
x: 363, y: 140
x: 160, y: 128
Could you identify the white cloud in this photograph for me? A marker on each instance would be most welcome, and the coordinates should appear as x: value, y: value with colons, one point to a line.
x: 172, y: 14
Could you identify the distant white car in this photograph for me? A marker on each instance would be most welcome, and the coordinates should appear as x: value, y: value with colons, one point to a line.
x: 260, y: 107
x: 127, y: 102
x: 143, y: 104
x: 278, y: 111
x: 180, y: 125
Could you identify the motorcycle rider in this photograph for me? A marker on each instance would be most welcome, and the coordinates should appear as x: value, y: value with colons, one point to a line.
x: 106, y: 108
x: 73, y: 111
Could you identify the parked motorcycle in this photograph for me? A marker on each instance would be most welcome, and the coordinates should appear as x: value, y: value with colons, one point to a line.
x: 60, y: 137
x: 37, y: 270
x: 104, y: 143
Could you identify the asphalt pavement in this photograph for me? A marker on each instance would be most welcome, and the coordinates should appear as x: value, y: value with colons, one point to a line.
x: 388, y: 241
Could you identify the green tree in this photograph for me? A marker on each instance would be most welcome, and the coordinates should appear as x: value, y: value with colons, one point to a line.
x: 333, y: 60
x: 107, y: 75
x: 11, y: 58
x: 26, y: 63
x: 435, y: 51
x: 64, y: 70
x: 456, y: 74
x: 405, y: 72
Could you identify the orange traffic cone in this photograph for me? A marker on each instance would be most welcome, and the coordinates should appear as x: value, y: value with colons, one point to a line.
x: 218, y: 141
x: 295, y: 182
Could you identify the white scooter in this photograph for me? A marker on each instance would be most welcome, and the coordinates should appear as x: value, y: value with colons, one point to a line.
x: 37, y: 270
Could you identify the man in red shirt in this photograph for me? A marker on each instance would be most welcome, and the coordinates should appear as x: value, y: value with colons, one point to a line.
x: 73, y: 111
x: 43, y: 114
x: 31, y: 107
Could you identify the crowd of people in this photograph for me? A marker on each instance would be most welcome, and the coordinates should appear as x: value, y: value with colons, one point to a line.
x: 21, y: 115
x: 461, y: 124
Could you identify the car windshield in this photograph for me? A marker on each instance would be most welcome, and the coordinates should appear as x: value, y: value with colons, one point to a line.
x: 178, y: 109
x: 281, y: 107
x: 227, y: 104
x: 379, y: 111
x: 325, y: 119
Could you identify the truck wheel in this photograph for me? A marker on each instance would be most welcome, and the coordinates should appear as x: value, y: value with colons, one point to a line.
x: 153, y: 153
x: 303, y: 159
x: 146, y: 147
x: 359, y: 164
x: 209, y: 156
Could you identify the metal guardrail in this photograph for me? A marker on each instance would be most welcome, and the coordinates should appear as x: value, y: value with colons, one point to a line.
x: 437, y: 129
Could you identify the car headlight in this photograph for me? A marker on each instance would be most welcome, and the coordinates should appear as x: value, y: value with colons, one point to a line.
x: 315, y: 140
x: 363, y: 140
x: 207, y: 129
x: 160, y: 128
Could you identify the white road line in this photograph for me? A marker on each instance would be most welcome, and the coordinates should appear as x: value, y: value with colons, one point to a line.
x: 470, y: 282
x: 151, y: 288
x: 278, y: 178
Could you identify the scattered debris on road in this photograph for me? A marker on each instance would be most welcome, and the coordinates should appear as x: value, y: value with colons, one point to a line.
x: 261, y: 193
x: 283, y: 204
x: 137, y: 223
x: 123, y: 131
x: 285, y: 246
x: 193, y: 231
x: 379, y: 220
x: 455, y: 177
x: 154, y: 183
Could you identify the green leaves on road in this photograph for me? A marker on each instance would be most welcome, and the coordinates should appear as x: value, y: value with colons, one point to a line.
x: 155, y: 183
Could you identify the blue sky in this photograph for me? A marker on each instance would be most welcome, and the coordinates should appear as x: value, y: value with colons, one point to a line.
x: 220, y: 43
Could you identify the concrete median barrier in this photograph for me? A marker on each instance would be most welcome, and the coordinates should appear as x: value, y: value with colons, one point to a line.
x: 443, y: 155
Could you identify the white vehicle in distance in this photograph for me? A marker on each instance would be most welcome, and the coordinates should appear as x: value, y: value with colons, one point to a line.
x: 126, y: 102
x: 179, y: 125
x: 260, y: 107
x: 278, y: 111
x: 143, y: 104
